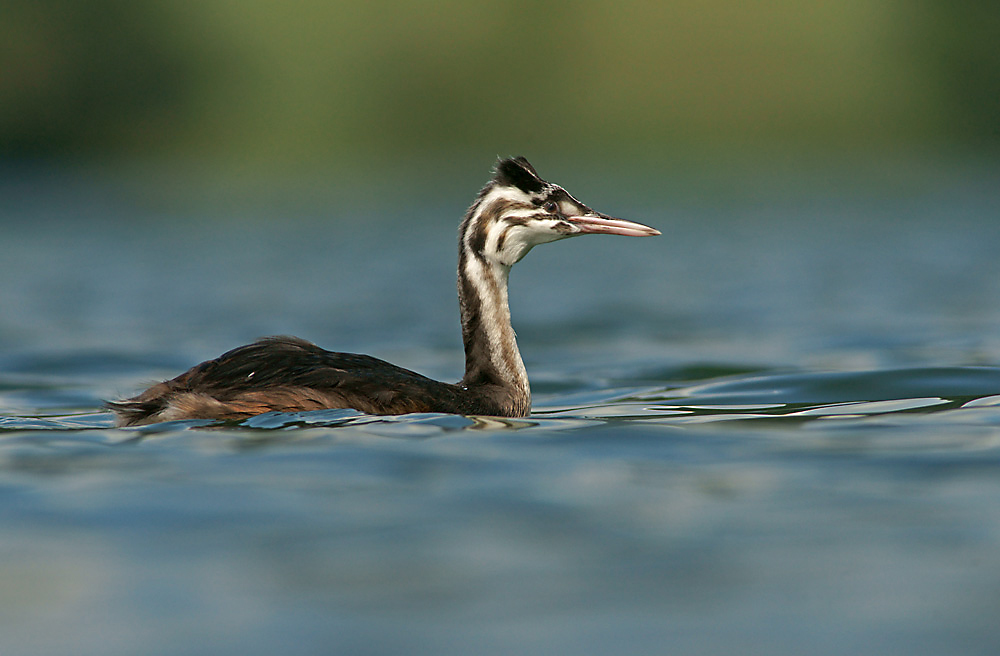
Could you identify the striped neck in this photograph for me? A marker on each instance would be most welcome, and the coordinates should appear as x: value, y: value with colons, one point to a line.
x: 493, y: 363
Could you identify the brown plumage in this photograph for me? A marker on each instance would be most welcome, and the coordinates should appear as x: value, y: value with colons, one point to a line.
x: 515, y: 211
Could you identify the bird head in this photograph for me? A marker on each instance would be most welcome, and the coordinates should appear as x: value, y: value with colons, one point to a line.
x: 517, y: 210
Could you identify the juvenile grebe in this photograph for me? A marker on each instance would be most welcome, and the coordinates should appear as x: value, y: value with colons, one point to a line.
x: 515, y: 211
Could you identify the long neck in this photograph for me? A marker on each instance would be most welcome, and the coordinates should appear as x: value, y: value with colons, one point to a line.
x: 493, y: 365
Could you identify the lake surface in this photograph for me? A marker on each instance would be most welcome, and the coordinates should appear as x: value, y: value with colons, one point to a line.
x: 773, y: 430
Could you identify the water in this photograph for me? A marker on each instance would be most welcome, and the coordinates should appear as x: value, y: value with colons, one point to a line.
x: 775, y: 429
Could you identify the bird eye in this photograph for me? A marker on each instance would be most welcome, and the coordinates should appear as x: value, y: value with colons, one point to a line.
x: 551, y: 207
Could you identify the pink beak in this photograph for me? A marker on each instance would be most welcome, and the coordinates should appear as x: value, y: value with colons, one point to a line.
x: 605, y: 225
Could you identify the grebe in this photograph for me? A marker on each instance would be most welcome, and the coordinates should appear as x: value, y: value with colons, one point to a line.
x: 514, y: 212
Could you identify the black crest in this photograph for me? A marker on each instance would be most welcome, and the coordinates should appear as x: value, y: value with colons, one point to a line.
x: 517, y: 172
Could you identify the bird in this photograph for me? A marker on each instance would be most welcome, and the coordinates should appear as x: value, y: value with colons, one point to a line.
x: 514, y: 212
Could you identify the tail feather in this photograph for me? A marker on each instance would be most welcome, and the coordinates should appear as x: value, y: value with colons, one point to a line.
x: 135, y: 412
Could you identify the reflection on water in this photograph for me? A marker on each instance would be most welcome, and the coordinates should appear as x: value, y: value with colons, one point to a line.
x: 775, y: 431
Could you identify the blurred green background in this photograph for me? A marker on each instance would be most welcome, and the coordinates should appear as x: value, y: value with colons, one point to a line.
x: 264, y: 85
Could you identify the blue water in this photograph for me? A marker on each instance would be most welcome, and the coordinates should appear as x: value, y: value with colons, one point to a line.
x: 775, y: 429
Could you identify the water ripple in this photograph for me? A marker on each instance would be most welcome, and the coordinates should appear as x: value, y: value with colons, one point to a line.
x: 794, y: 397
